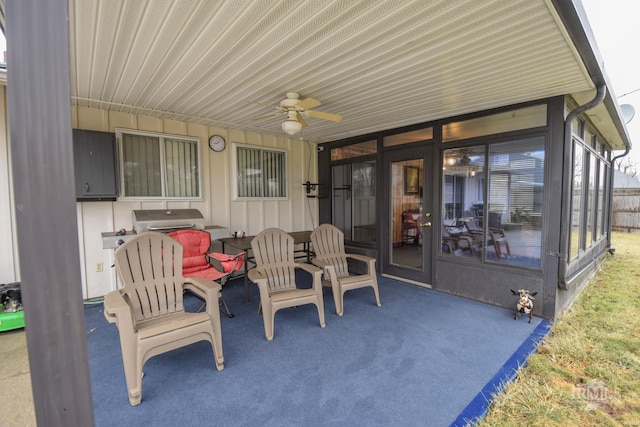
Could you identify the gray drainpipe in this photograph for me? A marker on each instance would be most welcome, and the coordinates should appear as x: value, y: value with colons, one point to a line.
x: 565, y: 218
x: 610, y: 218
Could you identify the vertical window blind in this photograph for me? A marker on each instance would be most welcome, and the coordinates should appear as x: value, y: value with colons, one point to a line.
x: 261, y: 173
x: 160, y: 166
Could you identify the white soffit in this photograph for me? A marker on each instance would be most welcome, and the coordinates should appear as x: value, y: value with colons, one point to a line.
x: 380, y: 64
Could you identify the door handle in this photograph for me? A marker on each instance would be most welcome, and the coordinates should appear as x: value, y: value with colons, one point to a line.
x: 426, y: 224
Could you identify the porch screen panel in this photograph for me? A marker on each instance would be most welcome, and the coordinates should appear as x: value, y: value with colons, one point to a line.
x: 141, y: 166
x: 591, y: 200
x: 463, y: 176
x: 576, y: 198
x: 516, y: 182
x: 181, y: 173
x: 601, y: 192
x: 363, y: 182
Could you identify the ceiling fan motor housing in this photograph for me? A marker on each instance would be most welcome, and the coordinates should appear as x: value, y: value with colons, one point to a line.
x: 290, y: 101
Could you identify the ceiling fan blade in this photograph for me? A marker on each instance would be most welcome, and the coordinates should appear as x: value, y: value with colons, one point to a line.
x: 324, y: 116
x: 308, y: 103
x: 302, y: 121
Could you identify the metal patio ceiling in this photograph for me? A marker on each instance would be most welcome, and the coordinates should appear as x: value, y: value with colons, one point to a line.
x: 380, y: 64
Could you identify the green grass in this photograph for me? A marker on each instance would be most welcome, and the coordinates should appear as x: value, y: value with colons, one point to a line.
x: 586, y: 372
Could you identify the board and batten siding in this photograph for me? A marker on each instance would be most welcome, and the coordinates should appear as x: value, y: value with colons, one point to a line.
x: 297, y: 213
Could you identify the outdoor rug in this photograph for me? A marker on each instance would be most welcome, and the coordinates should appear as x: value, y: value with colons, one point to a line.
x: 423, y: 358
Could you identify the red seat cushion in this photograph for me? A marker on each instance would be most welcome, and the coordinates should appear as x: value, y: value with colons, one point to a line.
x: 195, y: 245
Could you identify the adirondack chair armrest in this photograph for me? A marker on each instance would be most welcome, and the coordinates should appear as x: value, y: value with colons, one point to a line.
x: 116, y: 309
x: 328, y: 269
x: 315, y: 271
x: 371, y: 262
x: 208, y: 290
x: 259, y: 279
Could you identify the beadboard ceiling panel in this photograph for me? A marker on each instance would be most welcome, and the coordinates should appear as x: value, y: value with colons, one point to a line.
x: 379, y: 64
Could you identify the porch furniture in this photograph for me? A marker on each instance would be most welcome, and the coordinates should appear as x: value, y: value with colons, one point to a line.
x: 300, y: 238
x: 149, y: 310
x: 411, y: 233
x: 328, y: 245
x: 500, y: 242
x: 496, y: 235
x: 275, y: 275
x: 197, y: 261
x: 457, y: 241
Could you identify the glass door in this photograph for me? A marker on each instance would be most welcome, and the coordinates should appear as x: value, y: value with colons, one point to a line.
x: 409, y: 228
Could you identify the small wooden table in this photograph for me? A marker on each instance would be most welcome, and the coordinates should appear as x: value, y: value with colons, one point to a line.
x: 243, y: 244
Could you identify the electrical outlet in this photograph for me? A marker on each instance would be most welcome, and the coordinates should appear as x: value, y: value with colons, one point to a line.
x: 99, y: 267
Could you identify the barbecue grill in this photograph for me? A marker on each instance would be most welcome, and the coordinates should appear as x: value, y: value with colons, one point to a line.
x: 167, y: 220
x: 162, y: 220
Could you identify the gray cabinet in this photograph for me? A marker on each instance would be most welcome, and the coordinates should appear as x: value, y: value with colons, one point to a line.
x: 94, y: 156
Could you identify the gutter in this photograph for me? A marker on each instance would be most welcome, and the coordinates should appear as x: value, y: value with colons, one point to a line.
x: 565, y: 213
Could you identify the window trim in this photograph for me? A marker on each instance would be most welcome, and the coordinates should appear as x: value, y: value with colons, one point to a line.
x: 161, y: 136
x: 234, y: 173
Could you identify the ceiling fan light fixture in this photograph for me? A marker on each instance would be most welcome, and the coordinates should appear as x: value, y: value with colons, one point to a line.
x: 291, y: 127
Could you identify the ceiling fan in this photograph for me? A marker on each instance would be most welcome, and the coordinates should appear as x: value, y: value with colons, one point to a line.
x: 296, y: 110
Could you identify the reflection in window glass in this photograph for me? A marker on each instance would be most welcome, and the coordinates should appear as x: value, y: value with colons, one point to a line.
x: 363, y: 178
x: 508, y: 121
x: 514, y: 205
x: 407, y: 137
x: 354, y: 200
x: 462, y: 202
x: 576, y: 199
x: 591, y: 199
x: 601, y: 191
x: 354, y: 150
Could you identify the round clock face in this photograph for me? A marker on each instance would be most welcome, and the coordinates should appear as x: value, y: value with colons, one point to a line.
x: 217, y: 143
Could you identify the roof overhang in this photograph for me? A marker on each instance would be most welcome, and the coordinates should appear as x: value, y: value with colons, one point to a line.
x: 381, y: 64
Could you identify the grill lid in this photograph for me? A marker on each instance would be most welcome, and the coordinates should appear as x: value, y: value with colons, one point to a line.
x: 163, y: 219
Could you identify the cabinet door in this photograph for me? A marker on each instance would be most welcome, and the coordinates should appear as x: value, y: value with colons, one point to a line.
x: 95, y: 165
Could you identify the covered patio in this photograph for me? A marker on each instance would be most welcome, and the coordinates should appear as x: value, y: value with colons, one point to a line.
x: 424, y: 357
x: 184, y: 72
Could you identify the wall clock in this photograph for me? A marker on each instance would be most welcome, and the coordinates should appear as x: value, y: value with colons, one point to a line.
x: 217, y: 143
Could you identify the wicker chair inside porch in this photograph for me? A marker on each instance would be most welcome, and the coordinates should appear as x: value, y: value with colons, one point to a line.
x: 149, y: 310
x: 328, y: 245
x: 275, y: 275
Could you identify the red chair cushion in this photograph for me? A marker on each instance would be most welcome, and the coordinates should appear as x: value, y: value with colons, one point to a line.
x: 195, y: 245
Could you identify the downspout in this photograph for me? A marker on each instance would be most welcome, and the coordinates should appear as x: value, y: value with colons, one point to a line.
x: 610, y: 216
x: 565, y: 215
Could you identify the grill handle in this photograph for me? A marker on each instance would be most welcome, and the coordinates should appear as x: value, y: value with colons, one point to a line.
x: 171, y: 227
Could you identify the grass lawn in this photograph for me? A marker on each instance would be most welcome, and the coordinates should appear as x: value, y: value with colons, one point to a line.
x: 587, y: 370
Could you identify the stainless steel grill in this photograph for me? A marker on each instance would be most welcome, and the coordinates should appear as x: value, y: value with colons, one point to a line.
x: 167, y: 220
x: 162, y: 220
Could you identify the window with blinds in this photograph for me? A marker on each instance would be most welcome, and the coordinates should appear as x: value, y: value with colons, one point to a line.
x: 158, y: 166
x: 260, y: 173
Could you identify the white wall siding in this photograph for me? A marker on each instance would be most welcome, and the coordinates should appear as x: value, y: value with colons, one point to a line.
x: 294, y: 214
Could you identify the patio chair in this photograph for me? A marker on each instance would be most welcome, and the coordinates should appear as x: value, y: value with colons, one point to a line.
x: 500, y: 242
x: 456, y: 241
x: 197, y: 261
x: 275, y: 275
x: 328, y: 245
x: 149, y: 310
